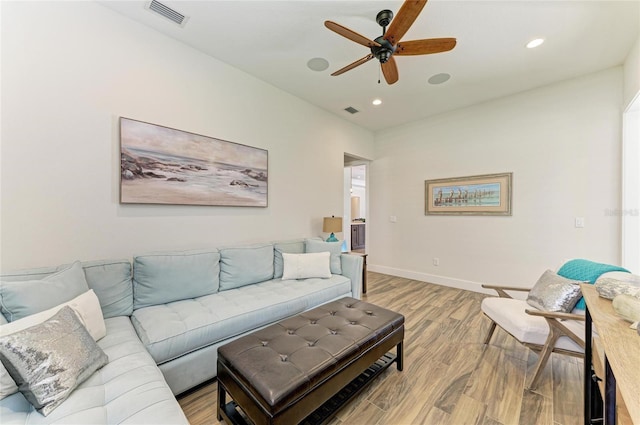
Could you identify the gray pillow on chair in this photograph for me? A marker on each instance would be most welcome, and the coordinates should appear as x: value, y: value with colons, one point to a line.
x: 554, y: 293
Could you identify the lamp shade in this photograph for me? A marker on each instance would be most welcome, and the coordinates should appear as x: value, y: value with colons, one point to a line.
x: 332, y: 224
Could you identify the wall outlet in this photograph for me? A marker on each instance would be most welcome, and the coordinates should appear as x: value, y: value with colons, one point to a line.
x: 393, y: 218
x: 436, y: 261
x: 579, y: 222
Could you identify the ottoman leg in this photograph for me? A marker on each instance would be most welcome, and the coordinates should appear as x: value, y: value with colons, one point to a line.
x: 399, y: 355
x: 221, y: 402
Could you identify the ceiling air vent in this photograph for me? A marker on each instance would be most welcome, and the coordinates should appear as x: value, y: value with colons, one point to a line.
x: 167, y: 12
x: 351, y: 110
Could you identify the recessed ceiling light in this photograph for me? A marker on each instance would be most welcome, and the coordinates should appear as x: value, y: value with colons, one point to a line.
x: 318, y: 64
x: 439, y: 78
x: 377, y: 102
x: 535, y: 43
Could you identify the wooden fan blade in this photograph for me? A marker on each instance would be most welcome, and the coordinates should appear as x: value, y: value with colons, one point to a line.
x: 390, y: 71
x: 353, y: 65
x: 425, y: 47
x: 407, y: 14
x: 351, y: 35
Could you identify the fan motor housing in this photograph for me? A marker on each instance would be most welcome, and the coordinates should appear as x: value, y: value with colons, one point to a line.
x: 384, y: 51
x: 384, y: 17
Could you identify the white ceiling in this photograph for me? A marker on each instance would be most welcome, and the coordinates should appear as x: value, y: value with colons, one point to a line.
x: 273, y: 40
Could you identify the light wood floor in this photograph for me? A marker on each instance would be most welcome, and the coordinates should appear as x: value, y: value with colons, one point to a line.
x: 449, y: 377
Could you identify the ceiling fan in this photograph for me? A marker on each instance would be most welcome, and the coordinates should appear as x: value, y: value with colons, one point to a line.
x: 388, y: 44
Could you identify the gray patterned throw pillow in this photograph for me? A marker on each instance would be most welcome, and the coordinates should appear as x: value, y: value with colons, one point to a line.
x: 48, y: 361
x: 554, y: 293
x: 610, y: 288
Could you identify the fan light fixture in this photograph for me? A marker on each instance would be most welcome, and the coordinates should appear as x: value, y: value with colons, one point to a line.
x: 535, y: 43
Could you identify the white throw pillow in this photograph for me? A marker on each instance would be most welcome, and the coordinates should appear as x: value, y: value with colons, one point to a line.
x: 87, y: 308
x: 303, y: 266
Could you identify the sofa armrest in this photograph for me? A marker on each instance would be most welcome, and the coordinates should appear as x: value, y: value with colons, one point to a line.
x: 352, y: 268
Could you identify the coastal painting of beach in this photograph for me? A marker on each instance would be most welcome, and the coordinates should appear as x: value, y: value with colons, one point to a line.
x: 161, y: 165
x: 488, y: 194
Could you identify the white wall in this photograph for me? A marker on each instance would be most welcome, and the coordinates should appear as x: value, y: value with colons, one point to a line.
x: 562, y: 143
x: 632, y: 74
x: 630, y: 161
x: 70, y: 69
x: 630, y: 209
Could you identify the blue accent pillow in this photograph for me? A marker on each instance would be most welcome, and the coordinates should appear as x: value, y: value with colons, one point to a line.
x: 586, y: 271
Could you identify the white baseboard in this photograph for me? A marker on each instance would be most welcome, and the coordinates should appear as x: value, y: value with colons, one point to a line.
x: 430, y: 278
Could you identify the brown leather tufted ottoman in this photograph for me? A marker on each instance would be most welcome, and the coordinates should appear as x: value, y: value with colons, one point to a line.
x: 304, y: 368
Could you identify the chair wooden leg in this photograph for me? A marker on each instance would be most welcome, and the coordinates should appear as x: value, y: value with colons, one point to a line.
x: 492, y: 328
x: 543, y: 357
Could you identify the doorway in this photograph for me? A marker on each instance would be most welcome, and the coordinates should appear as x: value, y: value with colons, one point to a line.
x: 356, y: 204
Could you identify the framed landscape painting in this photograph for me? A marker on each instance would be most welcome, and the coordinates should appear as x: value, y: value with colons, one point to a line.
x: 161, y: 165
x: 488, y: 194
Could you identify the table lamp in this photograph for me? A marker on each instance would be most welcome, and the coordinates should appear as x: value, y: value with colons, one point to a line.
x: 330, y: 225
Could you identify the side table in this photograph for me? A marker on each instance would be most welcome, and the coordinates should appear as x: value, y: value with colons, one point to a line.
x: 364, y: 269
x: 620, y: 350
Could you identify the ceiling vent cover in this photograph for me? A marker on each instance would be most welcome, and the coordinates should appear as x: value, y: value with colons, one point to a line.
x: 351, y: 110
x: 167, y: 12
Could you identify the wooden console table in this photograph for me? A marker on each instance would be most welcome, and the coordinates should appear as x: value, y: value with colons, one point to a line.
x: 620, y: 347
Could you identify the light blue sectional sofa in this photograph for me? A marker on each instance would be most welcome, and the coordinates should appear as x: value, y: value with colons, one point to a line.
x: 167, y: 313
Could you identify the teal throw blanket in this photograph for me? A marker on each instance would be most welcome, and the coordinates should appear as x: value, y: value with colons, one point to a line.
x: 586, y: 271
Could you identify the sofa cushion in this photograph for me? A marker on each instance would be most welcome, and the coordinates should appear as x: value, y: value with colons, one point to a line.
x: 172, y: 330
x: 289, y: 247
x: 110, y: 280
x: 171, y: 276
x: 335, y: 248
x: 49, y: 360
x: 130, y: 389
x: 21, y: 299
x: 244, y: 265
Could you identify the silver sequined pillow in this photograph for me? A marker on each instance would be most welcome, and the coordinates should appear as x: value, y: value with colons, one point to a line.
x: 554, y: 293
x: 48, y: 361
